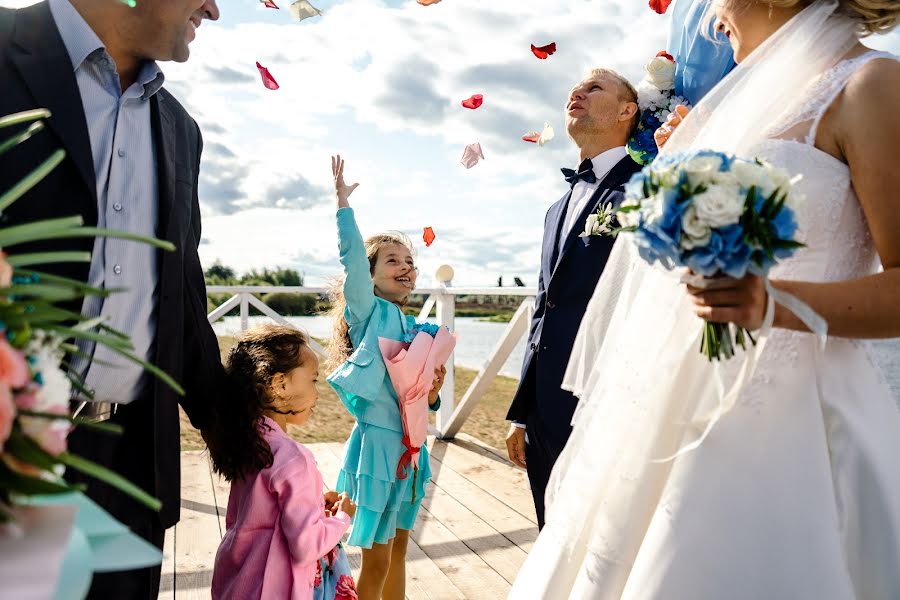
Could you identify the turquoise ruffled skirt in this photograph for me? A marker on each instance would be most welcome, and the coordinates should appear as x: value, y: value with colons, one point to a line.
x: 384, y: 503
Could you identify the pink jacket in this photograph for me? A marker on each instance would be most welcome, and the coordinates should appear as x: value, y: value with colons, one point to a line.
x: 276, y: 527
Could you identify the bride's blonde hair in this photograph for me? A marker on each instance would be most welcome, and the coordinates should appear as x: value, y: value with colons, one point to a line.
x: 873, y: 16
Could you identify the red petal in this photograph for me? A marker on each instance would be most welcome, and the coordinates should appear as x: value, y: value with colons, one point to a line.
x: 532, y: 137
x: 542, y: 52
x: 427, y: 2
x: 665, y: 54
x: 269, y: 4
x: 267, y: 78
x: 428, y: 236
x: 473, y: 102
x: 660, y: 6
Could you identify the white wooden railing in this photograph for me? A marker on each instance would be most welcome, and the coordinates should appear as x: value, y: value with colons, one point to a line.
x: 441, y: 300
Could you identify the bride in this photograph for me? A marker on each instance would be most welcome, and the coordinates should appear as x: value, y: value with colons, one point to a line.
x: 794, y: 492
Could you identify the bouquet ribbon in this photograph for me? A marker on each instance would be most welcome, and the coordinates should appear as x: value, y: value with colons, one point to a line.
x: 816, y: 324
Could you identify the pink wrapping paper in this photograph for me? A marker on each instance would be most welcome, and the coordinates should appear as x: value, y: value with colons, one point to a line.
x: 411, y: 369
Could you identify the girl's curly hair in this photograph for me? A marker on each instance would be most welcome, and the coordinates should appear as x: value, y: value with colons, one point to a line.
x: 235, y: 439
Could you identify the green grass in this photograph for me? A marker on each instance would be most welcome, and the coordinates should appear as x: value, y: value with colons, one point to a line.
x: 332, y: 423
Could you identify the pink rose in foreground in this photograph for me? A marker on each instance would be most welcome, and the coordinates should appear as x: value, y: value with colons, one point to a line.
x: 7, y: 414
x: 345, y: 589
x: 13, y: 368
x: 50, y: 434
x: 6, y: 271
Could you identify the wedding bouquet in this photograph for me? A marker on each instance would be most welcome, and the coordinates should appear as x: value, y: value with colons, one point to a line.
x: 656, y: 99
x: 36, y: 335
x: 716, y: 214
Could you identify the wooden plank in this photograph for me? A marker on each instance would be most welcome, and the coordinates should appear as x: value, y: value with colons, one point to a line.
x: 167, y: 577
x: 197, y: 535
x: 518, y: 326
x: 495, y: 549
x: 473, y: 576
x: 506, y: 484
x: 504, y: 520
x: 424, y: 578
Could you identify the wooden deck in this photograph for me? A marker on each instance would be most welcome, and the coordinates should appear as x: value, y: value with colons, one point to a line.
x: 473, y: 532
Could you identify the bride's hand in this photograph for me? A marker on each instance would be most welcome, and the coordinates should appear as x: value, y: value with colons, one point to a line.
x: 662, y: 135
x: 728, y: 300
x: 342, y: 190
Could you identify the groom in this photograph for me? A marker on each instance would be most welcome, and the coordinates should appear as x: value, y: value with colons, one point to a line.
x: 601, y: 115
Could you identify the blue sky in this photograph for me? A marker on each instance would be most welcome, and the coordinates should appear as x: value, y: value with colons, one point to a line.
x: 381, y: 82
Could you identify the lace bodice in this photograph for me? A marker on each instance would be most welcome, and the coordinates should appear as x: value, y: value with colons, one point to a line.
x: 831, y: 222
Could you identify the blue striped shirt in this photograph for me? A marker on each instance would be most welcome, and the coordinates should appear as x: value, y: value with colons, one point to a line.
x: 127, y: 199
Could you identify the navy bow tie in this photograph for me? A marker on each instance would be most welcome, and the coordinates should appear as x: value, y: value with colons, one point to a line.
x: 585, y: 172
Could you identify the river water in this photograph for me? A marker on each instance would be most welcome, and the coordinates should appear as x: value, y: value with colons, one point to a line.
x: 477, y: 340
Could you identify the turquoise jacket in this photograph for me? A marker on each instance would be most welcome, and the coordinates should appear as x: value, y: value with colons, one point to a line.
x: 362, y: 382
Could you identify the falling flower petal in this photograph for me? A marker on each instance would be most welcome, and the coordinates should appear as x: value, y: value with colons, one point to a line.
x: 660, y: 6
x: 267, y: 78
x: 542, y: 52
x: 427, y: 2
x: 665, y: 54
x: 471, y: 155
x: 428, y: 236
x: 301, y: 9
x: 532, y: 137
x: 546, y: 135
x: 473, y: 101
x: 269, y: 4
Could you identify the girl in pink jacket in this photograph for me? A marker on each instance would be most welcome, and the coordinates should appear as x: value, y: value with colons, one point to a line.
x: 279, y: 522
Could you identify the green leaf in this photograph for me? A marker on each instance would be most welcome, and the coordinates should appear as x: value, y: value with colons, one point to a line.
x: 112, y: 342
x: 53, y: 293
x: 112, y: 233
x: 37, y: 230
x: 31, y: 180
x: 110, y: 477
x: 25, y: 485
x: 28, y: 451
x: 20, y: 137
x: 104, y: 426
x: 72, y: 283
x: 43, y: 258
x: 24, y: 117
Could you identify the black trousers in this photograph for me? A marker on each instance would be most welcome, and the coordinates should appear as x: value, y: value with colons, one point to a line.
x: 542, y: 449
x: 120, y: 454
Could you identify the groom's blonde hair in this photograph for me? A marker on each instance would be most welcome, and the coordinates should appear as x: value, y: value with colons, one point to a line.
x: 626, y: 93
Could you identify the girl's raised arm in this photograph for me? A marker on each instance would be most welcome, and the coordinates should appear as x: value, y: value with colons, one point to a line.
x: 358, y: 291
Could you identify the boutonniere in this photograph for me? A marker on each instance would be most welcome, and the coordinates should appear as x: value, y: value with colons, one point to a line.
x: 599, y: 223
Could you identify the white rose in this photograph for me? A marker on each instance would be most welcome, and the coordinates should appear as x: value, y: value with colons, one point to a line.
x: 749, y: 175
x: 649, y: 96
x: 661, y: 72
x: 720, y: 205
x: 589, y: 225
x: 630, y: 218
x: 696, y: 233
x: 703, y: 165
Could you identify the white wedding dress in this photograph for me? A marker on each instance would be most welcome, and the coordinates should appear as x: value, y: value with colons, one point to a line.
x: 794, y: 494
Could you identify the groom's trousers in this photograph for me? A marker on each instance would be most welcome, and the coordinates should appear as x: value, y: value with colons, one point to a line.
x: 542, y: 448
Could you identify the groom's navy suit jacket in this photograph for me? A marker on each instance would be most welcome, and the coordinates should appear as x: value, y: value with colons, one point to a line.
x: 569, y: 274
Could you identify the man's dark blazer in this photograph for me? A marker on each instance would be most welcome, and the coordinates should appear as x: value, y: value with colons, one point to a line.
x: 36, y: 72
x: 566, y: 283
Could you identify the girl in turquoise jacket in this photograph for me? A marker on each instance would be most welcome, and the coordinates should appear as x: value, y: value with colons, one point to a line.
x: 379, y: 275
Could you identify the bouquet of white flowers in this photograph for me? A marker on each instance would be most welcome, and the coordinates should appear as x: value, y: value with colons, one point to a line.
x: 716, y: 214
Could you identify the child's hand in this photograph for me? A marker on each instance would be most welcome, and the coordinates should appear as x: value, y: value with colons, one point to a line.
x: 341, y: 189
x: 438, y: 384
x: 331, y: 498
x: 346, y: 504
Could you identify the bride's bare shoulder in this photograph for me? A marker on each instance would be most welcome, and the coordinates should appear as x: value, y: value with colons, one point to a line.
x: 868, y: 103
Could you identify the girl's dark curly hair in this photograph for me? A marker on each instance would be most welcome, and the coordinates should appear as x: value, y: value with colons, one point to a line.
x: 235, y: 439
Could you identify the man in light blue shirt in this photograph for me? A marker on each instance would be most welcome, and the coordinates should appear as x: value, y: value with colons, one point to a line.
x: 132, y: 163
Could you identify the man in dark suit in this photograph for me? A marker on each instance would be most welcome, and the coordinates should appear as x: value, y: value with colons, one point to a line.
x: 601, y: 115
x: 133, y: 156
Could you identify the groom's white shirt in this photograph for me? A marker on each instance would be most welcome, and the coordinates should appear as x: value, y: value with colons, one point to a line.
x: 582, y: 192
